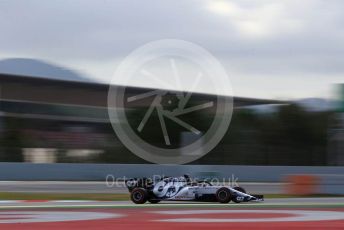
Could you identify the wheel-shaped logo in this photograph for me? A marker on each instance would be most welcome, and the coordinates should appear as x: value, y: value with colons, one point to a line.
x: 170, y: 102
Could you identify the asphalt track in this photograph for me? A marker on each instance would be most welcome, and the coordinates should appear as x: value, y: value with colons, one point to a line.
x: 301, y: 213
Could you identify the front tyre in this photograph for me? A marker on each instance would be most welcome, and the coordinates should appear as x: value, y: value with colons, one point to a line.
x: 223, y: 195
x: 139, y: 195
x: 236, y: 198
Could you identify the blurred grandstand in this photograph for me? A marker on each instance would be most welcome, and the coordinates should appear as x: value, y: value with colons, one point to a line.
x: 45, y: 120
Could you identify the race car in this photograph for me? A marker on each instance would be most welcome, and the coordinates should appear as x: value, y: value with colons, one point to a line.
x: 184, y: 189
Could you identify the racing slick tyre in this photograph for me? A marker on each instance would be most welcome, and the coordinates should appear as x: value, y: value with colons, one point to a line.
x: 223, y: 195
x: 139, y: 195
x: 235, y: 198
x: 152, y: 201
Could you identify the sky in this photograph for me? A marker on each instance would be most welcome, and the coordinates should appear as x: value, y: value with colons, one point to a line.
x: 284, y: 49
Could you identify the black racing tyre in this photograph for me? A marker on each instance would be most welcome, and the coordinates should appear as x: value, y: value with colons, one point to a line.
x: 223, y: 195
x: 139, y: 195
x: 240, y: 189
x: 152, y: 201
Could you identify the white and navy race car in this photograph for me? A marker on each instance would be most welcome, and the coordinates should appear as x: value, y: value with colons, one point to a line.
x: 184, y: 189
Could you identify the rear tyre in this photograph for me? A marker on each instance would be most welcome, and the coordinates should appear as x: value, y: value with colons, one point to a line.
x: 223, y: 195
x: 139, y: 195
x: 236, y: 198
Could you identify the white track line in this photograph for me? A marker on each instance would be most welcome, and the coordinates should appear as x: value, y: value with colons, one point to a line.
x: 109, y: 205
x: 13, y: 217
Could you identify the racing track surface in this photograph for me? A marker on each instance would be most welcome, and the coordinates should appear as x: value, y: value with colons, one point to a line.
x: 273, y: 214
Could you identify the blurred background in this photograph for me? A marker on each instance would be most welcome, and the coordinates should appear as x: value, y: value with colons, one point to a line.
x: 285, y: 60
x: 64, y: 121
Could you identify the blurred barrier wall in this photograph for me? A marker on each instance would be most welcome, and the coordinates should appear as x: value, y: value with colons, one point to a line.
x: 329, y: 180
x: 99, y: 172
